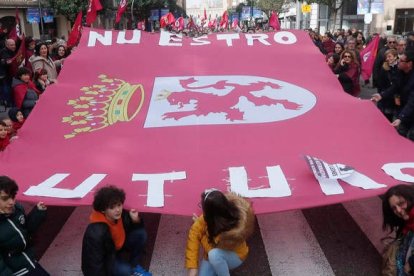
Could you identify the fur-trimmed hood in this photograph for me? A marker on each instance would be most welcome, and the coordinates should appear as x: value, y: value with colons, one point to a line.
x: 234, y: 239
x: 245, y: 227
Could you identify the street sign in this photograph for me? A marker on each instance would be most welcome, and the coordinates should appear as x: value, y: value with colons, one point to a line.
x: 306, y: 8
x: 368, y: 18
x: 33, y: 15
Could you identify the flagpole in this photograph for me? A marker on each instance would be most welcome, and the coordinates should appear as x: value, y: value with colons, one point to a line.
x: 132, y: 13
x: 40, y: 19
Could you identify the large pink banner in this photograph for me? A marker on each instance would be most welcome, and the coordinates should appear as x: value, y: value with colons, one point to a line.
x: 166, y: 117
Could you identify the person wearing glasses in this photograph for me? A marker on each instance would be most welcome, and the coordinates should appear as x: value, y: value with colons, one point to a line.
x: 348, y: 73
x: 403, y: 94
x: 379, y: 60
x: 227, y: 221
x: 401, y: 45
x: 398, y: 218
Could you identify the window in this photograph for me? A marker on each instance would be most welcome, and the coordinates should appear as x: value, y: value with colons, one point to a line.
x: 404, y: 21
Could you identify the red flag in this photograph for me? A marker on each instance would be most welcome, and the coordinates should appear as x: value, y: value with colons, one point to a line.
x: 76, y: 32
x: 179, y: 24
x: 274, y: 21
x: 224, y: 22
x: 167, y: 19
x: 235, y: 24
x: 121, y: 9
x: 94, y: 7
x: 212, y: 24
x: 190, y: 23
x: 15, y: 32
x: 368, y: 55
x: 18, y: 58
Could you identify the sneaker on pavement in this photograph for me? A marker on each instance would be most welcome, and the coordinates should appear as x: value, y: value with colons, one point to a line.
x: 140, y: 271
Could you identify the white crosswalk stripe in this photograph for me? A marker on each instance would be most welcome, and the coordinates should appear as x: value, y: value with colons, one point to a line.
x: 368, y: 215
x: 168, y: 255
x: 63, y: 256
x: 291, y: 246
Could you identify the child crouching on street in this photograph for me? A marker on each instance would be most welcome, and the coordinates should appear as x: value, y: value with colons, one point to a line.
x: 112, y: 232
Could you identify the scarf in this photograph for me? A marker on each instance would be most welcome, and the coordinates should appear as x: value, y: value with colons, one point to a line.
x: 4, y: 142
x: 116, y: 228
x: 409, y: 225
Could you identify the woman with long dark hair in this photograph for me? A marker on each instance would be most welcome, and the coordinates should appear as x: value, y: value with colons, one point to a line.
x: 398, y: 215
x: 60, y: 54
x: 222, y: 230
x: 42, y: 60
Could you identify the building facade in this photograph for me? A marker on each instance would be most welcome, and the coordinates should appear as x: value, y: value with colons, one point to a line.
x: 36, y: 19
x: 392, y: 16
x: 398, y: 18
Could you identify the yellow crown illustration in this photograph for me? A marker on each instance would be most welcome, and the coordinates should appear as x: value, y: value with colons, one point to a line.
x: 103, y: 105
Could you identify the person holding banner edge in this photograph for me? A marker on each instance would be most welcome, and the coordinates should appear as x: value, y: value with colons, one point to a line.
x: 115, y: 238
x: 17, y: 255
x: 403, y: 93
x: 227, y: 221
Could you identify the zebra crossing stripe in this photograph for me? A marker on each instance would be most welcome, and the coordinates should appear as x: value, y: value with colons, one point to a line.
x: 169, y: 249
x: 291, y: 247
x: 345, y: 245
x: 63, y: 257
x: 367, y: 213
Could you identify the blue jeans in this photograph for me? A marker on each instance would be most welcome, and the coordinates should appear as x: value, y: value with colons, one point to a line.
x: 121, y: 268
x: 134, y: 245
x: 219, y: 263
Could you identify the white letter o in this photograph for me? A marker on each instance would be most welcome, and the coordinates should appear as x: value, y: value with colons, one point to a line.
x: 279, y: 38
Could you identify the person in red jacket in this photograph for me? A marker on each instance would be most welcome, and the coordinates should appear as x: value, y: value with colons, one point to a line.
x: 16, y: 116
x: 4, y: 137
x: 9, y: 127
x: 25, y: 92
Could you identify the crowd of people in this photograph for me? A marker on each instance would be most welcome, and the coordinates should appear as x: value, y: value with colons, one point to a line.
x: 392, y: 72
x: 21, y: 85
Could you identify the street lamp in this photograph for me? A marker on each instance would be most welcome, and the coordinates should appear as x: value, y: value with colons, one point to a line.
x: 40, y: 19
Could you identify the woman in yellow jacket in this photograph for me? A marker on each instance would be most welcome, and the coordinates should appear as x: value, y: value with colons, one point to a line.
x: 222, y: 230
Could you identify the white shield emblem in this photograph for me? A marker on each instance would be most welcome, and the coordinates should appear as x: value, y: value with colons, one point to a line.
x: 208, y: 100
